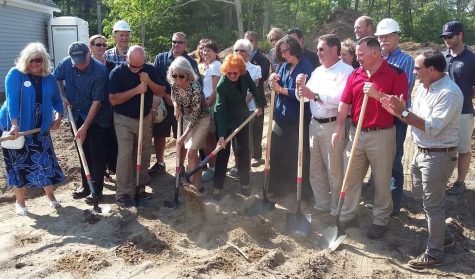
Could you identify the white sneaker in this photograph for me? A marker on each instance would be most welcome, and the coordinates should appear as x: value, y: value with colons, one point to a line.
x: 22, y: 211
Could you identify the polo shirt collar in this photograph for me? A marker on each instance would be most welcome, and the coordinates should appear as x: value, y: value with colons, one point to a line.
x: 449, y: 54
x: 382, y: 69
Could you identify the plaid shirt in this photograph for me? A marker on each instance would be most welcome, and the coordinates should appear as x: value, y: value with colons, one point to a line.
x: 111, y: 55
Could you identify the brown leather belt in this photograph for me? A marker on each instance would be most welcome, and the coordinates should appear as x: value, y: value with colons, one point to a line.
x: 325, y: 120
x: 441, y: 149
x: 371, y: 129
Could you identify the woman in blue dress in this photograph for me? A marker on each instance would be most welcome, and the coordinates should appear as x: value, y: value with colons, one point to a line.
x: 32, y: 100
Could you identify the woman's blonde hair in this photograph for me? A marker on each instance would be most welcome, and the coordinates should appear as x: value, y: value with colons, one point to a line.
x: 181, y: 66
x: 94, y: 37
x: 32, y: 51
x: 233, y: 60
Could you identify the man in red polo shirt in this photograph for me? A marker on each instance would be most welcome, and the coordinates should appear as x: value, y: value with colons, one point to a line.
x: 377, y: 143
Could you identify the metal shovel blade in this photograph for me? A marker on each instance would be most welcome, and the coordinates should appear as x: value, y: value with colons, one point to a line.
x: 260, y: 206
x: 298, y: 223
x: 331, y: 238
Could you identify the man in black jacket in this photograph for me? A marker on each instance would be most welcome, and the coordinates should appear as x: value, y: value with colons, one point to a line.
x: 310, y: 55
x: 257, y: 58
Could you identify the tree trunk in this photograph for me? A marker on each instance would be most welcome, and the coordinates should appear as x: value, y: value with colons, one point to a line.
x: 357, y: 3
x: 265, y: 20
x: 239, y: 18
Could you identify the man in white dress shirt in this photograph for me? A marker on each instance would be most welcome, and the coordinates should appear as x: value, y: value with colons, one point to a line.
x: 434, y: 121
x: 324, y: 89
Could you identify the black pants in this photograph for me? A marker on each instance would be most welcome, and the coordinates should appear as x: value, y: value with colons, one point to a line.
x: 256, y: 134
x: 95, y: 147
x: 241, y: 150
x: 111, y: 149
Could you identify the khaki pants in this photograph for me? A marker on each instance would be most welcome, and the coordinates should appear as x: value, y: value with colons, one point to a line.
x: 376, y: 149
x: 127, y: 130
x: 326, y: 166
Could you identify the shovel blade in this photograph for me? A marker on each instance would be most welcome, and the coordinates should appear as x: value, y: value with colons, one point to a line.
x: 260, y: 206
x: 331, y: 238
x: 298, y: 223
x: 172, y: 204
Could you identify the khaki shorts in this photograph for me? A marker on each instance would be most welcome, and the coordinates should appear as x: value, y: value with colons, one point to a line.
x: 465, y: 133
x: 197, y: 138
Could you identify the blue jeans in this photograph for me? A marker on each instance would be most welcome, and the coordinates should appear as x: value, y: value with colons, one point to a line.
x: 398, y: 171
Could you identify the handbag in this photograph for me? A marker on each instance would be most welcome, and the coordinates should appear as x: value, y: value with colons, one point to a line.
x: 159, y: 111
x: 19, y: 142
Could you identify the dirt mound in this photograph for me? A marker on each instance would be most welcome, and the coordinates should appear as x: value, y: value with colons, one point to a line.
x: 83, y: 264
x: 139, y: 248
x: 340, y: 22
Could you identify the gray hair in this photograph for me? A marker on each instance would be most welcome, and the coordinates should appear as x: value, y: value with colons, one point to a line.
x: 180, y: 34
x: 31, y: 51
x: 245, y: 44
x: 181, y: 66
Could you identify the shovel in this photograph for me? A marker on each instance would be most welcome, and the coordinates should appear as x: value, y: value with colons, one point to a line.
x: 20, y: 134
x: 299, y: 223
x: 265, y: 205
x: 82, y: 157
x: 332, y: 237
x: 217, y: 149
x: 138, y: 167
x: 175, y: 203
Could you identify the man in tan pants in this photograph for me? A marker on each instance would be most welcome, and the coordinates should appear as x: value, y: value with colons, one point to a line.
x: 377, y: 143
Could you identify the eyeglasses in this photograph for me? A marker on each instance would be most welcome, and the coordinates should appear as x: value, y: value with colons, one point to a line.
x: 37, y: 60
x: 135, y: 67
x: 417, y: 69
x: 240, y: 50
x: 284, y: 50
x: 100, y: 45
x: 232, y: 73
x: 448, y: 37
x: 174, y: 76
x: 273, y: 40
x: 177, y: 42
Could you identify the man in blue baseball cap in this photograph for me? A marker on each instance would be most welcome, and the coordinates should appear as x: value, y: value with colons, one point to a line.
x: 81, y: 81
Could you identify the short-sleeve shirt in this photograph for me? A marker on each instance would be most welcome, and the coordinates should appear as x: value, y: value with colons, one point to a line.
x: 461, y: 69
x: 208, y: 71
x: 84, y: 87
x: 387, y: 79
x: 122, y: 79
x: 113, y: 56
x: 191, y: 101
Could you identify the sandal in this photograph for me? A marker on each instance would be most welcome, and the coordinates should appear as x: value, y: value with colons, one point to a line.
x: 22, y: 211
x: 54, y: 204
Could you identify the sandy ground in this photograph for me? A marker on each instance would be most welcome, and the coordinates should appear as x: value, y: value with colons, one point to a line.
x: 204, y: 238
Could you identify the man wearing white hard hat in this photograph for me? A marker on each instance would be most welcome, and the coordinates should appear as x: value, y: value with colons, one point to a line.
x: 388, y: 33
x: 121, y: 35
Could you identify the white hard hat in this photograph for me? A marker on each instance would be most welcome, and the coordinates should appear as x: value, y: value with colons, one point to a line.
x: 121, y: 25
x: 387, y: 26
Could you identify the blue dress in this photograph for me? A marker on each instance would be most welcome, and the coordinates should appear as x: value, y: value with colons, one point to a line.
x: 35, y: 165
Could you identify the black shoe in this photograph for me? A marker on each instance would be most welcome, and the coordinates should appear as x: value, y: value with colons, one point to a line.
x: 457, y: 189
x: 353, y: 223
x: 376, y: 231
x: 124, y: 201
x: 144, y: 195
x: 449, y: 242
x: 89, y: 200
x: 424, y: 261
x: 81, y: 194
x: 256, y: 162
x: 157, y: 168
x: 246, y: 190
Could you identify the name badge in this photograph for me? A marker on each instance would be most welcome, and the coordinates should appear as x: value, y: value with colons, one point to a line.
x: 27, y: 83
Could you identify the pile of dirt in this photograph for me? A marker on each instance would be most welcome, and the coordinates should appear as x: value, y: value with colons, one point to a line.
x: 340, y: 22
x: 140, y: 248
x: 83, y: 263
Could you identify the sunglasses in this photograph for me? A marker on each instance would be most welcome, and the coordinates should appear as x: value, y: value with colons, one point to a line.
x: 100, y: 45
x: 37, y: 60
x: 174, y: 76
x: 135, y: 67
x: 232, y: 73
x: 177, y: 42
x: 240, y: 50
x: 448, y: 37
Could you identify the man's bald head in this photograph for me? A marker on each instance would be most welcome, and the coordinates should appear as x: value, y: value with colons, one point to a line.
x: 136, y: 55
x: 364, y: 27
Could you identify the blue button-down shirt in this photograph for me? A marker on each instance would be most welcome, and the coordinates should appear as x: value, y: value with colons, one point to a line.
x: 84, y: 87
x: 405, y: 62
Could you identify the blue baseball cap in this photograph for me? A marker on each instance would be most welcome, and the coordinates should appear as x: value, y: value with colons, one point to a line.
x: 451, y: 28
x: 78, y: 52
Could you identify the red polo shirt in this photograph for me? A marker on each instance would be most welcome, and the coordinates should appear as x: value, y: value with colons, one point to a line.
x: 387, y: 79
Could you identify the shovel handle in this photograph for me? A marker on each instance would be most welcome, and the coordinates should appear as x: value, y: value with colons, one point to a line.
x: 268, y: 145
x: 300, y: 152
x: 139, y: 141
x: 350, y: 161
x: 20, y: 134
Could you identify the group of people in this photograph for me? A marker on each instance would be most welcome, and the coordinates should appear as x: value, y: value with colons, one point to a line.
x: 209, y: 99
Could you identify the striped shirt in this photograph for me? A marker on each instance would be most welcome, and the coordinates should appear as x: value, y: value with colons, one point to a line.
x: 405, y: 62
x: 112, y: 55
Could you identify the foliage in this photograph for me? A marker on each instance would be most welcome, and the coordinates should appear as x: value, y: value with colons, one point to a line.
x: 154, y: 21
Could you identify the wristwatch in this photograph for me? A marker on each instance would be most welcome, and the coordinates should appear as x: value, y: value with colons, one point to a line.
x: 404, y: 113
x: 316, y: 97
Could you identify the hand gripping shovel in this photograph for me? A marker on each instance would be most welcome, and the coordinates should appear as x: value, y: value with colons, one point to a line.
x: 265, y: 205
x: 175, y: 203
x: 332, y: 237
x: 217, y: 149
x: 299, y: 223
x: 82, y: 157
x: 20, y: 134
x: 138, y: 167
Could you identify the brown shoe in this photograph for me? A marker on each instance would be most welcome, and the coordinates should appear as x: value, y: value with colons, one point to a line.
x: 424, y: 261
x: 376, y: 231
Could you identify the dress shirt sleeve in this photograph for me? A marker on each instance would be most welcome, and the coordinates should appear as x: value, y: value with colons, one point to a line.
x: 347, y: 95
x: 57, y: 102
x: 408, y: 67
x: 99, y: 84
x: 448, y: 107
x: 333, y: 96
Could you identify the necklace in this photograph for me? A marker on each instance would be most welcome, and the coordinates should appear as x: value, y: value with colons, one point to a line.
x: 36, y: 79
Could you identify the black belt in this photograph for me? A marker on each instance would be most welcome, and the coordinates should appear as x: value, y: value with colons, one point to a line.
x: 325, y: 120
x: 372, y: 129
x: 440, y: 149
